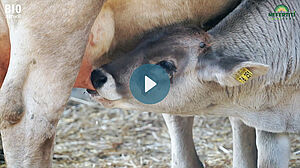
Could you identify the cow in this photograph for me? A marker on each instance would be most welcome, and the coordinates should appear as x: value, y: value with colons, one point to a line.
x: 48, y: 40
x: 246, y: 68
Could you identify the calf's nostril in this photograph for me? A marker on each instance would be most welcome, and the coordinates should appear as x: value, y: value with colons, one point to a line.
x: 101, y: 80
x: 98, y: 78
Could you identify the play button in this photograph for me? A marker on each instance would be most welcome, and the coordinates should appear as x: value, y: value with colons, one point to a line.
x: 149, y: 83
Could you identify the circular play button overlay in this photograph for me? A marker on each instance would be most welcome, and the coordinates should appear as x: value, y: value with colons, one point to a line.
x: 149, y: 83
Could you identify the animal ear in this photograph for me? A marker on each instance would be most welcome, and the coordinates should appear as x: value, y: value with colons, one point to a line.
x: 240, y: 73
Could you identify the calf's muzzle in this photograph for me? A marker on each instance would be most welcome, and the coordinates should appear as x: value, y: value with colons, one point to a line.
x: 98, y: 78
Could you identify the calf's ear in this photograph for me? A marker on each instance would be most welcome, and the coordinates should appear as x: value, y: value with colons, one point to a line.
x: 242, y: 73
x: 238, y: 73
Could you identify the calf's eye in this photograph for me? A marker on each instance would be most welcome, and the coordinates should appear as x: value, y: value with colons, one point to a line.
x: 202, y: 45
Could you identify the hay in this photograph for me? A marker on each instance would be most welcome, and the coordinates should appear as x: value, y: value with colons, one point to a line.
x: 92, y: 136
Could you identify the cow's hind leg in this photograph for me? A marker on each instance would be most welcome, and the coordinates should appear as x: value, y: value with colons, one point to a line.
x: 244, y: 148
x: 29, y: 143
x: 273, y: 149
x: 47, y: 45
x: 182, y: 145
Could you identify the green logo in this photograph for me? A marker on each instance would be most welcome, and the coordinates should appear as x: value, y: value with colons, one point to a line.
x: 282, y: 12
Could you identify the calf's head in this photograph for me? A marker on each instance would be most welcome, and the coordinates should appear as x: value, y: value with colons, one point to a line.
x: 197, y: 71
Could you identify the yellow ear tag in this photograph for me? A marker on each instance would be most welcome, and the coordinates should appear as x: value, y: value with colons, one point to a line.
x: 243, y: 75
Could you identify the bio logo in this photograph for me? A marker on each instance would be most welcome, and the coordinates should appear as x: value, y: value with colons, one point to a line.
x: 13, y: 10
x: 282, y: 12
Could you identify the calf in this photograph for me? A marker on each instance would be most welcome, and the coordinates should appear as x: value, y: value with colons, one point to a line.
x: 48, y: 40
x: 212, y: 75
x: 119, y: 27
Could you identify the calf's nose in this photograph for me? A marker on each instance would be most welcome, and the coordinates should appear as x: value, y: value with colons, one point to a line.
x: 98, y: 78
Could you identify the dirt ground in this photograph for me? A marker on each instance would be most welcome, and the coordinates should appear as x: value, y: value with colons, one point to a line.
x: 92, y: 136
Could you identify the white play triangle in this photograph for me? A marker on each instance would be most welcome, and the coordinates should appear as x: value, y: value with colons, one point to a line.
x: 149, y: 84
